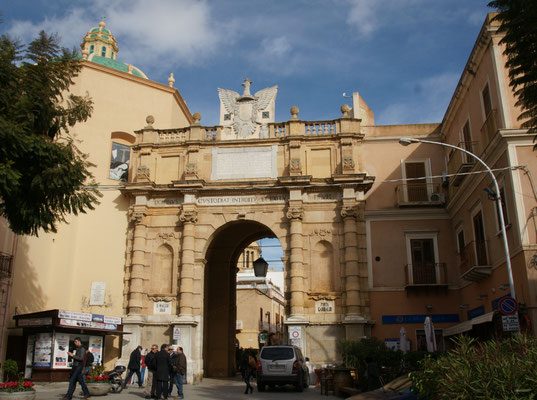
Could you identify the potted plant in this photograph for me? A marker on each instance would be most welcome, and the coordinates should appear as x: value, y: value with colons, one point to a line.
x: 97, y: 382
x: 15, y: 386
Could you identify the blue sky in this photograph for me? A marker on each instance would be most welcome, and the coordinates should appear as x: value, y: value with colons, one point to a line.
x: 404, y: 57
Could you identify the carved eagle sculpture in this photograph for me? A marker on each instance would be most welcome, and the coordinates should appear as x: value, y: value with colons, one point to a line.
x: 245, y: 108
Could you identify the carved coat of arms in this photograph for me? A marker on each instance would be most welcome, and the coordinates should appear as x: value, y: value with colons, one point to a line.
x: 244, y: 110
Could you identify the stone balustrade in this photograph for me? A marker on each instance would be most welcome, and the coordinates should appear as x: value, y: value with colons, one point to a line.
x: 276, y: 130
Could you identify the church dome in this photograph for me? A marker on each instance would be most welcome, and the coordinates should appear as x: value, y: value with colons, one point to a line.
x: 100, y: 46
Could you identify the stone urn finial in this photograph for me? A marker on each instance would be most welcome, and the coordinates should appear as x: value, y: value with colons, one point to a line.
x: 150, y: 120
x: 85, y: 54
x: 171, y: 80
x: 294, y: 112
x: 197, y: 118
x: 345, y: 110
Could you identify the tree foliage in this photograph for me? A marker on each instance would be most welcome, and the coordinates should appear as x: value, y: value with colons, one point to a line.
x: 518, y: 23
x: 43, y: 175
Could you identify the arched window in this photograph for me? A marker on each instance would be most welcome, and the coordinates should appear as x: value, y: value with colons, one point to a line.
x: 103, y: 51
x: 91, y: 49
x: 120, y: 156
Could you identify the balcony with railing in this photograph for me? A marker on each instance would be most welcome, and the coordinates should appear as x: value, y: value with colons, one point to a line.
x: 490, y: 126
x: 425, y: 275
x: 460, y: 162
x: 6, y: 264
x: 419, y: 194
x: 473, y: 261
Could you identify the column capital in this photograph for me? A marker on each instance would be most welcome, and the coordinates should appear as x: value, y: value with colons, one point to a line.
x: 136, y: 216
x: 295, y: 213
x: 188, y: 216
x: 349, y: 212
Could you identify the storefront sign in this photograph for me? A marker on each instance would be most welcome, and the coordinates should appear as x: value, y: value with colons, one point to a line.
x: 86, y: 324
x: 510, y: 323
x: 34, y: 322
x: 324, y: 307
x: 43, y: 349
x: 476, y: 312
x: 419, y: 318
x: 162, y: 307
x: 97, y: 293
x: 99, y: 321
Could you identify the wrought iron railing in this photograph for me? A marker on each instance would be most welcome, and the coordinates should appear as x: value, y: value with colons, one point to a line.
x: 474, y: 254
x: 425, y: 274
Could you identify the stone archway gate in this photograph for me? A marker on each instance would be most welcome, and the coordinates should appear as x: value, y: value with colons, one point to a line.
x: 304, y: 182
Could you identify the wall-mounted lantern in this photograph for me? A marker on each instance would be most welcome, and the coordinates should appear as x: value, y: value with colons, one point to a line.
x: 260, y: 267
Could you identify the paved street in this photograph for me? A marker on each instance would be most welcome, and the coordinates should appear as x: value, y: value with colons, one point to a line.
x: 208, y: 389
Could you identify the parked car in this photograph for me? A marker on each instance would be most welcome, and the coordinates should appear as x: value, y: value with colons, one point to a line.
x: 280, y: 365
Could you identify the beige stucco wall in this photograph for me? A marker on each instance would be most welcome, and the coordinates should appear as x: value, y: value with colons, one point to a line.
x: 56, y: 270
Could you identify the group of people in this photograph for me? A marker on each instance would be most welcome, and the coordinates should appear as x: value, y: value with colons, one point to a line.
x: 165, y: 368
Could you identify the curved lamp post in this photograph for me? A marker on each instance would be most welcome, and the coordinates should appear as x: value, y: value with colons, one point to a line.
x: 407, y: 141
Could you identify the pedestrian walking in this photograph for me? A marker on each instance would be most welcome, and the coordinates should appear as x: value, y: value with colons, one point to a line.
x: 143, y: 366
x: 151, y: 364
x: 173, y: 369
x: 179, y: 363
x: 77, y: 371
x: 164, y: 365
x: 247, y: 368
x: 134, y: 366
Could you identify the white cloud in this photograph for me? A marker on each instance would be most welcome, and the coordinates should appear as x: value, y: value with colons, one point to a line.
x: 363, y: 15
x: 429, y: 102
x: 180, y: 31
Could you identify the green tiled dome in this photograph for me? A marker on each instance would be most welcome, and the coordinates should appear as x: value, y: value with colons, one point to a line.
x: 115, y: 64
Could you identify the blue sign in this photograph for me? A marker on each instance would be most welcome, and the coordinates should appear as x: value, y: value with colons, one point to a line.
x: 508, y: 306
x: 476, y: 312
x: 419, y: 318
x: 495, y: 303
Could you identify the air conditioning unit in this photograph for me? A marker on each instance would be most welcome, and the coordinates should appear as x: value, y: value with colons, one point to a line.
x: 437, y: 197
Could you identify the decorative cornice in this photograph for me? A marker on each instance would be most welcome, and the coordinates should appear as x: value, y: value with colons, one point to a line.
x: 167, y: 236
x: 161, y: 297
x: 322, y: 232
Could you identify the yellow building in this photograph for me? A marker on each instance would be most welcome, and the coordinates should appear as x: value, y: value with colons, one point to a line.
x: 375, y: 236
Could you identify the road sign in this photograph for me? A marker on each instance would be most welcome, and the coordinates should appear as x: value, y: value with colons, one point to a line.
x: 508, y: 306
x: 295, y: 332
x: 510, y: 323
x: 262, y: 337
x: 176, y: 333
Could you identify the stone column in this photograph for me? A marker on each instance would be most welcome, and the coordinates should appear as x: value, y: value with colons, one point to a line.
x: 136, y: 288
x: 295, y: 215
x: 188, y: 217
x: 352, y: 282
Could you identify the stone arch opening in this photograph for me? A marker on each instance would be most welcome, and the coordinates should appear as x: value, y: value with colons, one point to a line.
x: 219, y: 320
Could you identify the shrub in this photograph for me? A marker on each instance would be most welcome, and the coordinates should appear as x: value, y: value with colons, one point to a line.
x: 489, y: 370
x: 15, y: 379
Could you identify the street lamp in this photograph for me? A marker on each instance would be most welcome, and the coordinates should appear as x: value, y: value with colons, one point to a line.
x: 407, y: 141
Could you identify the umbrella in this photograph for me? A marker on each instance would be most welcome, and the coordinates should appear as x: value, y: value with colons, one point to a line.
x: 403, y: 340
x: 429, y: 335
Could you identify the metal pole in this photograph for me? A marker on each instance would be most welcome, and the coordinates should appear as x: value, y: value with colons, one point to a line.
x: 498, y: 202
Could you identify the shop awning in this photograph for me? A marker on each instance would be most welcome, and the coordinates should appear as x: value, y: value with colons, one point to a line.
x: 468, y: 325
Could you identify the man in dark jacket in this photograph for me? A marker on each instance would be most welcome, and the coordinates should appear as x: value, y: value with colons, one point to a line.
x: 134, y: 367
x: 179, y: 361
x: 151, y: 364
x: 76, y: 373
x: 163, y: 371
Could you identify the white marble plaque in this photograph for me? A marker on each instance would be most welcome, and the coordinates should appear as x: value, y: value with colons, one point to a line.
x: 97, y: 293
x: 244, y: 162
x: 162, y: 307
x: 241, y: 200
x: 324, y: 307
